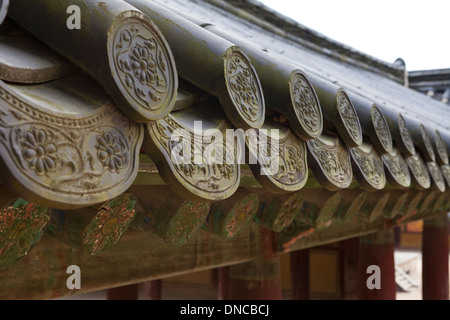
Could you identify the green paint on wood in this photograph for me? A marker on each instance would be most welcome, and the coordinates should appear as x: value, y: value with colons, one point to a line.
x: 21, y: 227
x: 346, y: 212
x: 94, y: 230
x: 166, y: 216
x: 392, y: 210
x: 242, y: 214
x: 278, y: 212
x: 428, y: 202
x: 328, y: 210
x: 320, y: 215
x: 440, y: 204
x: 109, y: 224
x: 373, y: 210
x: 292, y: 233
x: 228, y: 222
x: 413, y: 203
x: 189, y: 218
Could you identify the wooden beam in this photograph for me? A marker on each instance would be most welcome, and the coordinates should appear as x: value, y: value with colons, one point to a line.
x: 301, y: 236
x: 136, y: 258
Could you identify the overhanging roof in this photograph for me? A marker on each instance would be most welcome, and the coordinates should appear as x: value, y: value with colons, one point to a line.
x: 359, y: 149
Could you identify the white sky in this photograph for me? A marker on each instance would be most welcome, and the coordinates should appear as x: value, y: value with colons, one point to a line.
x: 416, y: 31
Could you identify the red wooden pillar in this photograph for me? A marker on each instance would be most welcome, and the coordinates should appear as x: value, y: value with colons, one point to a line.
x: 435, y: 270
x: 223, y: 283
x: 259, y: 279
x: 129, y: 292
x: 300, y: 274
x: 377, y: 267
x: 152, y: 290
x: 349, y: 256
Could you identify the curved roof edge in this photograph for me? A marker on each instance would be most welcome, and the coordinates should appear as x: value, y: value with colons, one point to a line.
x: 275, y: 22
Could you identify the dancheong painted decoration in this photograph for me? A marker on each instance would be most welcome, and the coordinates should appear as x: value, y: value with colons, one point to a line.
x: 149, y: 139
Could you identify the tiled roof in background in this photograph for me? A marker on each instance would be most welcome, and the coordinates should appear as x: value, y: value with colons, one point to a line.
x: 433, y: 83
